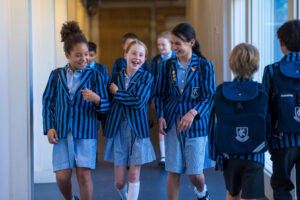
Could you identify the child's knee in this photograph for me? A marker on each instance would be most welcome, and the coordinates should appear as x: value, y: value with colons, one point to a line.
x: 63, y: 178
x: 120, y: 184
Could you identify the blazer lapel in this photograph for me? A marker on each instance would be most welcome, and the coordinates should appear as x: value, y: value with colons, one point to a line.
x: 85, y: 77
x: 173, y: 76
x: 134, y: 79
x: 63, y: 79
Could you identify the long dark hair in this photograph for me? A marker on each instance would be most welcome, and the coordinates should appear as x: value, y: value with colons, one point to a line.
x: 186, y: 32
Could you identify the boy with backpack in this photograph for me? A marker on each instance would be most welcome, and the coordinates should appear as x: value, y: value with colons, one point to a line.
x: 238, y: 139
x: 282, y: 82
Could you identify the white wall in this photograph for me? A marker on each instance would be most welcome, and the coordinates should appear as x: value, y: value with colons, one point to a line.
x: 211, y: 21
x: 43, y: 59
x: 15, y: 154
x: 47, y: 19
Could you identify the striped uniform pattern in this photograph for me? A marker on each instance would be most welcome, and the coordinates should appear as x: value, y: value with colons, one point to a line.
x: 121, y: 63
x: 76, y: 115
x: 156, y: 65
x: 103, y: 71
x: 197, y: 94
x: 131, y: 104
x: 218, y: 157
x: 287, y: 140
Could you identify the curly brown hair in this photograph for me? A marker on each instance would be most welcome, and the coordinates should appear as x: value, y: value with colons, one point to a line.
x: 71, y: 35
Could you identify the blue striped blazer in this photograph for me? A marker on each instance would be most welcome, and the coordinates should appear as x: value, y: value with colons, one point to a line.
x: 77, y: 115
x: 103, y: 70
x: 156, y: 65
x: 131, y: 104
x: 286, y: 140
x: 121, y: 63
x: 197, y: 94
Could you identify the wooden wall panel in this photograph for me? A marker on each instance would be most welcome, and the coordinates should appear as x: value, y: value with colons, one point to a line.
x: 114, y: 23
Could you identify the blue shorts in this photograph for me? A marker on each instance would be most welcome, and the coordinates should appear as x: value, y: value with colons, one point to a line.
x: 184, y: 155
x: 125, y: 148
x: 70, y: 153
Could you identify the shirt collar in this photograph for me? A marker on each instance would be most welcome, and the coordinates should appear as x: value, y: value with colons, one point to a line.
x: 77, y: 71
x: 180, y: 66
x: 167, y: 56
x: 92, y: 65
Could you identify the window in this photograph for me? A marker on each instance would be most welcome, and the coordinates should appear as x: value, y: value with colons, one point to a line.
x: 256, y: 22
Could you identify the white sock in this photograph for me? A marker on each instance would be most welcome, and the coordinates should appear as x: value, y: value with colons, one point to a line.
x: 162, y: 149
x: 200, y: 194
x: 123, y: 192
x: 133, y: 191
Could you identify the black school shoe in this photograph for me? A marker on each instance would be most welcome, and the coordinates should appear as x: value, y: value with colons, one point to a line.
x: 161, y: 162
x: 206, y: 197
x: 75, y: 198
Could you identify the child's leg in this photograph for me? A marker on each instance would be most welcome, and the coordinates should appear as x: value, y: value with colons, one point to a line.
x: 229, y: 197
x: 173, y: 183
x: 134, y: 182
x: 162, y: 147
x: 63, y: 180
x: 198, y: 180
x: 298, y: 174
x: 120, y: 180
x: 85, y: 183
x: 283, y: 162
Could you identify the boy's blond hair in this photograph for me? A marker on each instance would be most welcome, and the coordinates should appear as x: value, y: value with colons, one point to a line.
x: 136, y: 42
x: 244, y: 60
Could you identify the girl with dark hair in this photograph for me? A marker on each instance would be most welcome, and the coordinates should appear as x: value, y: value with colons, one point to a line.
x: 182, y: 99
x: 73, y: 97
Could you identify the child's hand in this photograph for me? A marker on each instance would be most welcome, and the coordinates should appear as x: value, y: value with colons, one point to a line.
x: 52, y: 136
x: 89, y: 95
x: 113, y: 88
x: 187, y: 120
x: 162, y: 125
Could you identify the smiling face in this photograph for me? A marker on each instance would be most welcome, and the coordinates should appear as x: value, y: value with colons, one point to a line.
x: 180, y: 47
x: 79, y: 56
x: 135, y: 57
x: 164, y: 46
x: 92, y: 56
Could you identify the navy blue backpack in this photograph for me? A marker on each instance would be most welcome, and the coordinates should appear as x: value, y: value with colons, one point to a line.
x: 286, y: 98
x: 241, y: 110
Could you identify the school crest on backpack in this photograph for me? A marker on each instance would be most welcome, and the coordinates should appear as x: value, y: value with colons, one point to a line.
x: 242, y: 134
x: 297, y: 114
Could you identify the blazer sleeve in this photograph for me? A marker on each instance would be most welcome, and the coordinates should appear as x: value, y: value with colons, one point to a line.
x: 49, y: 103
x: 104, y: 105
x: 105, y: 75
x: 208, y: 89
x: 135, y: 99
x: 115, y: 67
x: 160, y: 91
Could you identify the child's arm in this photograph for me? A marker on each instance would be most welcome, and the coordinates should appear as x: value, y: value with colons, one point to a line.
x: 104, y: 104
x: 137, y: 99
x: 208, y: 89
x: 49, y: 102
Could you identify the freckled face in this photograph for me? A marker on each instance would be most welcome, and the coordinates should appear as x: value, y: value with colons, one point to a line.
x: 136, y: 56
